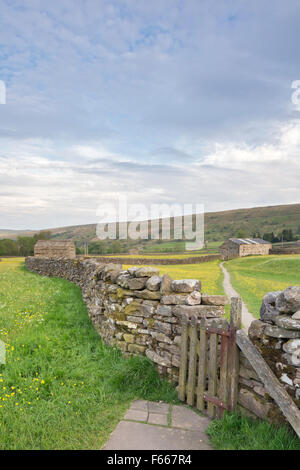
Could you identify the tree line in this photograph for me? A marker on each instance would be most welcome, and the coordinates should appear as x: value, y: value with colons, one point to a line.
x: 22, y: 246
x: 286, y: 235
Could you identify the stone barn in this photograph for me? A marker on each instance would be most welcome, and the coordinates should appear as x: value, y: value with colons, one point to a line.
x: 55, y: 249
x: 237, y: 247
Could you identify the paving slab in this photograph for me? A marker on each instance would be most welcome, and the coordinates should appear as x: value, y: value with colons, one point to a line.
x: 145, y: 426
x: 136, y: 415
x: 138, y: 436
x: 158, y: 407
x: 139, y: 405
x: 157, y: 418
x: 186, y: 418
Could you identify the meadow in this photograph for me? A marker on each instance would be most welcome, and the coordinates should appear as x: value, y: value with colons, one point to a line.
x: 61, y: 387
x: 161, y: 255
x: 209, y: 274
x: 254, y: 276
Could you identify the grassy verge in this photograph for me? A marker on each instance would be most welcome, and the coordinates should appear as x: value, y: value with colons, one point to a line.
x: 61, y: 387
x: 236, y: 432
x: 254, y: 276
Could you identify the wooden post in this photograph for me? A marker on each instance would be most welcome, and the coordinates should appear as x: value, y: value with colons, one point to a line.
x: 192, y: 361
x: 223, y: 387
x: 202, y: 365
x: 212, y: 370
x: 183, y: 357
x: 234, y: 355
x: 236, y: 312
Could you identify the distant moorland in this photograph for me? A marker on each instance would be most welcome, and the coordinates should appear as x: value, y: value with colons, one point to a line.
x: 219, y: 226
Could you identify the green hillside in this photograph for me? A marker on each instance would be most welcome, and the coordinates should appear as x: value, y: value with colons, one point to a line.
x: 218, y: 227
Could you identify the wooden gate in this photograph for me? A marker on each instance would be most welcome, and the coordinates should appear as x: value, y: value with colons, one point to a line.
x: 208, y: 377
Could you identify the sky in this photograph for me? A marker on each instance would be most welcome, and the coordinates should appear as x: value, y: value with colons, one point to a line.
x: 161, y: 101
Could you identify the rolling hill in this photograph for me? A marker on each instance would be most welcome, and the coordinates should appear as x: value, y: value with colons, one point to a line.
x: 218, y: 225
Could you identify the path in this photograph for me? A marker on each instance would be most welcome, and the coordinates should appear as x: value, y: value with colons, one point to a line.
x: 159, y: 426
x: 247, y: 317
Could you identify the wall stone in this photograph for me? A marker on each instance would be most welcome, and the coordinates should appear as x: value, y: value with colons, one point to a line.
x: 135, y: 310
x: 157, y: 261
x: 277, y: 337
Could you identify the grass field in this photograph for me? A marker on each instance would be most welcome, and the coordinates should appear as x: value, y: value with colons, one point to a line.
x: 254, y: 276
x: 61, y: 388
x: 209, y: 274
x: 236, y: 432
x: 161, y: 255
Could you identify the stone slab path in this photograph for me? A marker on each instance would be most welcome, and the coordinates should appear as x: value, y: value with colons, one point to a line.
x: 159, y: 426
x: 247, y: 317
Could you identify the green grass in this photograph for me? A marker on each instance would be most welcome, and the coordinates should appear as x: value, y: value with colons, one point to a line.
x: 176, y: 245
x: 160, y: 256
x: 209, y: 274
x: 61, y: 387
x: 237, y: 432
x: 254, y: 276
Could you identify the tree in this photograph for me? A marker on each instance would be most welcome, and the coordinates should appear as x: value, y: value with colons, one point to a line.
x: 269, y: 237
x: 26, y: 245
x: 256, y: 234
x: 8, y: 247
x: 116, y: 246
x: 287, y: 235
x: 43, y: 235
x: 97, y: 248
x: 240, y: 233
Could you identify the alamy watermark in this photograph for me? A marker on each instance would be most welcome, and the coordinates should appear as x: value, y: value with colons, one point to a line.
x: 122, y: 220
x: 2, y: 92
x: 2, y: 352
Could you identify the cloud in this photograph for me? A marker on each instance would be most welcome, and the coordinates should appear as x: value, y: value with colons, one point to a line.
x: 163, y: 101
x: 49, y: 192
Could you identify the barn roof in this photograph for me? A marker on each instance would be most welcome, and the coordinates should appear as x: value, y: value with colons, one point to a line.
x: 249, y: 241
x: 54, y: 243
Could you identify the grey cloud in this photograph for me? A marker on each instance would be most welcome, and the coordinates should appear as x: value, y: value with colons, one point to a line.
x: 155, y: 85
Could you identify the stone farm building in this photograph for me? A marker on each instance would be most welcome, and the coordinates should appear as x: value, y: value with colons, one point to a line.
x: 55, y: 249
x: 237, y: 247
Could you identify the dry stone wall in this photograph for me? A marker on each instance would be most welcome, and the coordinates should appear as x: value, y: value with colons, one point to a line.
x: 140, y: 312
x: 277, y: 336
x: 290, y: 249
x: 158, y: 261
x: 135, y: 309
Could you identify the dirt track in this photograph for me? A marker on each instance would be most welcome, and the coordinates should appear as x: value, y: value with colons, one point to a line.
x: 247, y: 317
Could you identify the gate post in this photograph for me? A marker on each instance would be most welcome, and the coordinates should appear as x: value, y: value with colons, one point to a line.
x: 234, y: 354
x: 183, y: 358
